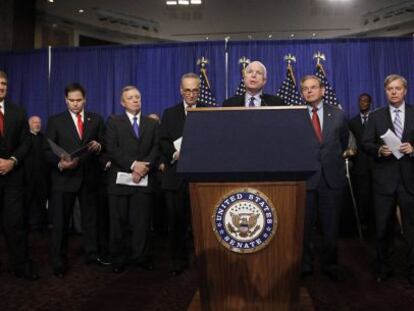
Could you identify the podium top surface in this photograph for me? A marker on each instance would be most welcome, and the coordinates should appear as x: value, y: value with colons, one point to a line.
x: 252, y: 143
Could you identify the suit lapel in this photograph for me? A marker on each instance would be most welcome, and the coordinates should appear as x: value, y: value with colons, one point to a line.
x: 129, y: 127
x: 86, y: 125
x: 409, y: 117
x: 71, y: 125
x: 327, y: 122
x: 8, y: 118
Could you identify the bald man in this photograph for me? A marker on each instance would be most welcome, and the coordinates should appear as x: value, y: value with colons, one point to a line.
x: 36, y: 172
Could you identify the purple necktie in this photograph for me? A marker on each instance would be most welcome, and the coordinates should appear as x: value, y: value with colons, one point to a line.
x: 135, y: 126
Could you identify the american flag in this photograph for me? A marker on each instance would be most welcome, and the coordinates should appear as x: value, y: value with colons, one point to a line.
x: 288, y: 91
x: 241, y: 90
x: 330, y: 95
x: 206, y: 96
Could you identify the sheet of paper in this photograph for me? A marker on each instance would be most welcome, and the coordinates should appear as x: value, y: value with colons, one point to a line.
x: 126, y: 179
x: 177, y: 143
x: 59, y: 151
x: 393, y: 142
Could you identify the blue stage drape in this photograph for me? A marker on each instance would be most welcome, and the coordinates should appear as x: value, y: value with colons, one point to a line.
x: 352, y: 66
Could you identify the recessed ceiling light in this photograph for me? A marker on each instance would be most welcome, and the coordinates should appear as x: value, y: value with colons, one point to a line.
x: 195, y: 1
x: 292, y: 35
x: 183, y: 2
x: 270, y: 36
x: 51, y: 1
x: 81, y: 11
x: 206, y: 38
x: 314, y: 34
x: 170, y: 2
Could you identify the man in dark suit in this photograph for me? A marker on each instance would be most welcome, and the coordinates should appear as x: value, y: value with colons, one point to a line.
x: 392, y: 173
x: 37, y: 177
x: 325, y: 189
x: 74, y: 177
x: 362, y: 166
x: 132, y: 147
x: 255, y: 76
x: 176, y: 189
x: 14, y: 145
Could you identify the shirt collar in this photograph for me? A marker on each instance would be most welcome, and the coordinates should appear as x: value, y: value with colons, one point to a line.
x: 401, y: 108
x: 131, y: 116
x: 75, y: 115
x: 187, y: 106
x: 318, y: 107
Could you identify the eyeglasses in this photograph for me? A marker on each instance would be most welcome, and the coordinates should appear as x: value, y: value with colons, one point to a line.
x: 189, y: 92
x: 312, y: 88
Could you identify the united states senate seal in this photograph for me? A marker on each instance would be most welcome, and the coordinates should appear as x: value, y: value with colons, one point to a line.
x: 244, y: 221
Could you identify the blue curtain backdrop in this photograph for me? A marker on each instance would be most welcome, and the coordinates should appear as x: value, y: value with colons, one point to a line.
x: 352, y: 66
x: 27, y: 73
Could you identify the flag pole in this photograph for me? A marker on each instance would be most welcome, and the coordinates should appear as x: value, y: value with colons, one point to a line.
x: 226, y: 65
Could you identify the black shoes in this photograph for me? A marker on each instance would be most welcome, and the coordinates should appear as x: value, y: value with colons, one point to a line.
x: 147, y: 265
x: 383, y: 274
x: 335, y: 274
x: 118, y: 268
x: 27, y: 272
x: 59, y: 272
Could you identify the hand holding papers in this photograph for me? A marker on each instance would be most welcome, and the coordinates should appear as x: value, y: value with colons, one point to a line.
x: 126, y: 179
x: 63, y: 154
x: 393, y: 143
x: 177, y: 146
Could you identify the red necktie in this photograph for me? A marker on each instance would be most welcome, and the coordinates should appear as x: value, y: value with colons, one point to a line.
x: 80, y: 125
x: 316, y: 124
x: 1, y: 123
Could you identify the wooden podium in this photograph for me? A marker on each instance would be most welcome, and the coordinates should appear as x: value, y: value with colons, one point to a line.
x: 229, y: 155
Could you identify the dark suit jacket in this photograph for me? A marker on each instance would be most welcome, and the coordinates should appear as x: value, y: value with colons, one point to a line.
x: 62, y: 130
x: 15, y: 142
x: 362, y: 161
x: 335, y: 136
x: 267, y: 100
x: 123, y: 148
x: 388, y: 171
x: 36, y: 169
x: 172, y: 126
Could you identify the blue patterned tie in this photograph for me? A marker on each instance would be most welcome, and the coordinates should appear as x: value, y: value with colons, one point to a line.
x: 397, y: 124
x: 135, y: 126
x: 251, y: 102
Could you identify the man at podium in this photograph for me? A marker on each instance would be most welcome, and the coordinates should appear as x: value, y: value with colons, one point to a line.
x: 255, y: 78
x: 325, y: 189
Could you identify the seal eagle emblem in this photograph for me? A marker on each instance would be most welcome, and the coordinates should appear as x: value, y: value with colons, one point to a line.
x: 244, y: 221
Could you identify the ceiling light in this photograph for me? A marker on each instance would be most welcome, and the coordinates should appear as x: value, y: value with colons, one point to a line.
x: 51, y: 1
x: 183, y: 2
x: 81, y: 11
x: 169, y: 2
x: 195, y: 1
x: 270, y: 36
x: 292, y: 35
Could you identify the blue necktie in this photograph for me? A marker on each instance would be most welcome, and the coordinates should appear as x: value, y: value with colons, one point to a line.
x: 251, y: 102
x: 135, y: 126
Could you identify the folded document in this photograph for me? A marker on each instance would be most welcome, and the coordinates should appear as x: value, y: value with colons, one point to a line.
x: 126, y: 179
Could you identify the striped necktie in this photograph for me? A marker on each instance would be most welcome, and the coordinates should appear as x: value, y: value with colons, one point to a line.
x: 398, y: 124
x: 251, y: 102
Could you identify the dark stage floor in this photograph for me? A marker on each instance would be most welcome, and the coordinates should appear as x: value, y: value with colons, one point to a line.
x: 97, y: 288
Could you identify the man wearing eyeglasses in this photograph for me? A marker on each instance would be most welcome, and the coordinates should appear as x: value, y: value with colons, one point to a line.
x: 176, y: 189
x: 325, y: 188
x: 255, y: 77
x: 392, y: 172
